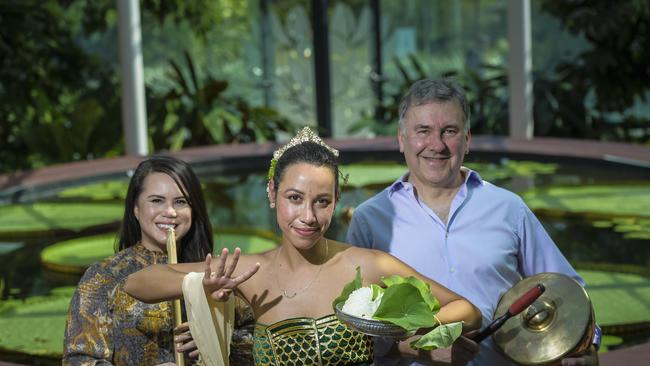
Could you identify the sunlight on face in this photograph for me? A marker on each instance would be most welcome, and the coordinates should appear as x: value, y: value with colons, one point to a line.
x: 434, y: 143
x: 161, y: 205
x: 305, y: 201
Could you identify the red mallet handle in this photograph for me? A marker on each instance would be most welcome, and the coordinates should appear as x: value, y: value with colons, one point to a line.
x: 526, y: 299
x: 522, y: 302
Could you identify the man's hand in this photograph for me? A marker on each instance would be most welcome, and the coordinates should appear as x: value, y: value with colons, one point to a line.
x: 459, y: 354
x: 184, y: 342
x: 589, y: 358
x: 464, y: 349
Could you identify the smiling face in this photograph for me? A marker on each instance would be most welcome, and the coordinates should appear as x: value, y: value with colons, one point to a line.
x: 434, y: 142
x: 161, y: 205
x: 305, y: 200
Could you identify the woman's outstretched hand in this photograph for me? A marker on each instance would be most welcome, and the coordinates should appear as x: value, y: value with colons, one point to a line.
x: 218, y: 281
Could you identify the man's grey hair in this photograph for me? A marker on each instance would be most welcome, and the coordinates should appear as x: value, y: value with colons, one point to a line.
x: 427, y: 91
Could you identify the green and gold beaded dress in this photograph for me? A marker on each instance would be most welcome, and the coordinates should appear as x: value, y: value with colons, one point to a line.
x: 308, y: 341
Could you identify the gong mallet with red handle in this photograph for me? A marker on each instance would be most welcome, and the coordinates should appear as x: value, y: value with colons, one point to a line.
x: 517, y: 307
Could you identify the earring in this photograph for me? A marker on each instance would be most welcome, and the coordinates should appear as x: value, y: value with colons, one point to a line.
x: 272, y: 205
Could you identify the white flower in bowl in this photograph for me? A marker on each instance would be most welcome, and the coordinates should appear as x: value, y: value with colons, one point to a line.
x: 361, y: 304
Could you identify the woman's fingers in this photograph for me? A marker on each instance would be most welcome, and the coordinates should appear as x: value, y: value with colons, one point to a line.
x: 246, y: 275
x: 182, y: 328
x: 183, y: 338
x: 208, y: 269
x: 223, y: 258
x: 219, y: 280
x: 221, y: 294
x: 233, y: 263
x: 186, y: 345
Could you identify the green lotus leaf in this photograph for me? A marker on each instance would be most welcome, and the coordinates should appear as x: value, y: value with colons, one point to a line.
x: 441, y: 336
x: 423, y: 287
x: 403, y: 305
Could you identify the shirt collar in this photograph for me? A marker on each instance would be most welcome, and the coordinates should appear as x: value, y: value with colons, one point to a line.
x: 471, y: 177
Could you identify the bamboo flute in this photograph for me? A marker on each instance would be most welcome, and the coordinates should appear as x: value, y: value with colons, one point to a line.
x: 178, y: 316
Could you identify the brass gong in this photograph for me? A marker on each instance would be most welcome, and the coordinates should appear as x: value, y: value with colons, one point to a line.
x: 560, y: 322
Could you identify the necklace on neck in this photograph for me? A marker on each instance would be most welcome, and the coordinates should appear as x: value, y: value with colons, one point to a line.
x: 299, y: 291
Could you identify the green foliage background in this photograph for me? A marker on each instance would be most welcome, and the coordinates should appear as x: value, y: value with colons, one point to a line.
x: 59, y: 79
x: 60, y: 90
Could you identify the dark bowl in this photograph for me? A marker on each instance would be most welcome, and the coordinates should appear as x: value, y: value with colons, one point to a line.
x: 371, y: 327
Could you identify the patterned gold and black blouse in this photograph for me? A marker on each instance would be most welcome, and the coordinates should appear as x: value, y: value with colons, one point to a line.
x: 106, y: 326
x: 308, y: 341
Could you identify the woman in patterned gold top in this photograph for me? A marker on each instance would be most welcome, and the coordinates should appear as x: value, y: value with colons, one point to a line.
x: 107, y: 326
x: 294, y: 285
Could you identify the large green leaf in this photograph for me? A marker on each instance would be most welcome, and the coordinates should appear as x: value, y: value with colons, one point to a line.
x: 597, y: 200
x: 20, y: 317
x: 403, y: 305
x: 107, y: 190
x: 441, y: 336
x: 37, y: 217
x: 423, y: 287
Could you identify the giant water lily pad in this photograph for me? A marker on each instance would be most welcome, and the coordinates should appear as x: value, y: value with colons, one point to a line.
x: 40, y: 219
x: 74, y: 256
x: 249, y: 240
x: 507, y: 169
x: 108, y: 190
x: 384, y: 173
x: 615, y: 200
x: 624, y: 208
x: 371, y: 173
x: 618, y: 298
x: 35, y: 326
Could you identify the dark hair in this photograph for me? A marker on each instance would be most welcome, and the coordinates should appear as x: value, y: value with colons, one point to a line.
x: 439, y: 90
x: 198, y: 242
x: 307, y: 152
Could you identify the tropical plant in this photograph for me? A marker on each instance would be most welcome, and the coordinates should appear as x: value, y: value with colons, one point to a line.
x: 486, y: 92
x: 593, y: 95
x: 55, y: 98
x: 197, y: 112
x: 59, y: 88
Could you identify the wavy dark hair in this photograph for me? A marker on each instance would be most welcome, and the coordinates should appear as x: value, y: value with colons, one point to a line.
x: 198, y: 242
x: 307, y: 152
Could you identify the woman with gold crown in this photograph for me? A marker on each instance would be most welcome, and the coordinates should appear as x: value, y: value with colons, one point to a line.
x: 291, y: 288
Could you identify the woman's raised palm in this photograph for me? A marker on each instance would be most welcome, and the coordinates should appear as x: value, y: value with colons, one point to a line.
x: 218, y: 281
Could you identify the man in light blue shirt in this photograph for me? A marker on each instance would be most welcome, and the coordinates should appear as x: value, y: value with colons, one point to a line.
x: 450, y: 225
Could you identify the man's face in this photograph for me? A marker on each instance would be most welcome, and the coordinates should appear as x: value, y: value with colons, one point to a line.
x: 434, y: 143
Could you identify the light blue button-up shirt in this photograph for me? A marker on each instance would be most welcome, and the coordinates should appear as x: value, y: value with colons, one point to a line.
x: 491, y: 241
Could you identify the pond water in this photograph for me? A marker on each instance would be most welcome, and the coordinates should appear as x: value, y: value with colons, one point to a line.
x: 611, y: 235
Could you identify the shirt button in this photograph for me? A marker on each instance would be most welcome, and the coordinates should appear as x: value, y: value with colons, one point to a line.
x: 452, y: 269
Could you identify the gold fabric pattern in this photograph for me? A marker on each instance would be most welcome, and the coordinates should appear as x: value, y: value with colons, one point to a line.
x: 106, y: 326
x: 307, y: 341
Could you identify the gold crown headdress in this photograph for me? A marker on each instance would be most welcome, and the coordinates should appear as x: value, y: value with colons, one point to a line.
x: 304, y: 135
